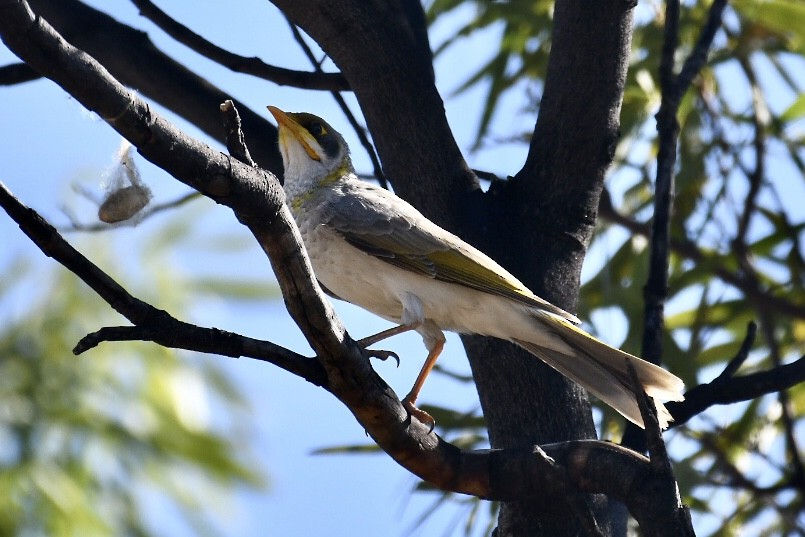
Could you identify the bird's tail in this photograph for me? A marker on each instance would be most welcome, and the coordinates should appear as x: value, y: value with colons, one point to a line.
x: 601, y: 370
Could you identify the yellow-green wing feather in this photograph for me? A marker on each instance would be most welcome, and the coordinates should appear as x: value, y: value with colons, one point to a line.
x: 386, y: 227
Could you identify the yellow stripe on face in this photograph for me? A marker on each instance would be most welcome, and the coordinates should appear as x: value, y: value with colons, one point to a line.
x: 288, y: 125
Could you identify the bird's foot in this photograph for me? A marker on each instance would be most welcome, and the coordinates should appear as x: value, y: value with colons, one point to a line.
x: 383, y: 355
x: 419, y: 414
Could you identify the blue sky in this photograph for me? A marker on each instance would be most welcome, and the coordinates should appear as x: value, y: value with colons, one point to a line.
x: 50, y: 142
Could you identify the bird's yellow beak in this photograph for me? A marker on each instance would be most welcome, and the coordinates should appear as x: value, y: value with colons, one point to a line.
x: 288, y: 125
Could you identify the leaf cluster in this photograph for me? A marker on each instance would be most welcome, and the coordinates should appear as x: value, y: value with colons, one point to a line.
x: 85, y: 438
x: 736, y: 231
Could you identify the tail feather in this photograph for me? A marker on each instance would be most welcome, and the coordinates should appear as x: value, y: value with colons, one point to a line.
x: 601, y: 370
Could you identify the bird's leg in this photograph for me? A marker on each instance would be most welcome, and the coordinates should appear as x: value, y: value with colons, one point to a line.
x: 410, y: 399
x: 380, y: 336
x: 385, y: 334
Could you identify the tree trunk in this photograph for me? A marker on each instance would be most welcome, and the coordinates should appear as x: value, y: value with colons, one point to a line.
x: 538, y: 225
x: 548, y: 213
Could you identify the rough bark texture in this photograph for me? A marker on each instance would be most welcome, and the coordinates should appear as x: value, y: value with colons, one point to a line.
x: 548, y: 213
x: 538, y: 225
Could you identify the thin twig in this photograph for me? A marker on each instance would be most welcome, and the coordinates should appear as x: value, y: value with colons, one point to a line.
x: 318, y: 80
x: 17, y: 73
x: 698, y: 56
x: 735, y: 390
x: 75, y: 225
x: 689, y: 250
x: 743, y: 353
x: 151, y: 324
x: 359, y: 130
x: 759, y: 112
x: 235, y: 139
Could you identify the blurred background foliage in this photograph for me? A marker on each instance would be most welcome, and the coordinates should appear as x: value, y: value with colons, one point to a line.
x: 87, y: 441
x: 737, y: 239
x: 737, y: 256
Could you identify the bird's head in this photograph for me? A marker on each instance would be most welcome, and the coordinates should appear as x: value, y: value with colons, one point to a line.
x: 312, y: 151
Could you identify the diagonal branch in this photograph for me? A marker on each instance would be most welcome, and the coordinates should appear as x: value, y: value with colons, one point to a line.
x: 318, y: 80
x: 698, y: 56
x: 131, y: 57
x: 726, y: 388
x: 257, y: 201
x: 151, y: 324
x: 736, y: 389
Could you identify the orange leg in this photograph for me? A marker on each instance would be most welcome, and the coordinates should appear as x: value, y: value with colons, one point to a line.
x: 410, y: 399
x: 385, y: 334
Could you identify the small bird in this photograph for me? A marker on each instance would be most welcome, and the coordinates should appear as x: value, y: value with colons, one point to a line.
x: 373, y: 249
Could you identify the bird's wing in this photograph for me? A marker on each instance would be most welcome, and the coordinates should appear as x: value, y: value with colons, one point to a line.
x: 383, y: 225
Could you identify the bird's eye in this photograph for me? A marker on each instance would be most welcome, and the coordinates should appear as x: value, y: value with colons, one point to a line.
x: 316, y: 129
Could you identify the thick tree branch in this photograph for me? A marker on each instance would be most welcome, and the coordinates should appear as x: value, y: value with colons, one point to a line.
x: 133, y: 59
x: 258, y: 203
x: 318, y: 80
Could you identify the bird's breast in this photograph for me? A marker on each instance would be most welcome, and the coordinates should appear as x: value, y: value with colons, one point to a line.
x: 381, y: 288
x: 349, y: 273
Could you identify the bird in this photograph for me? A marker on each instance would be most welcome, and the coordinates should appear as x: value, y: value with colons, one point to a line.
x: 370, y: 247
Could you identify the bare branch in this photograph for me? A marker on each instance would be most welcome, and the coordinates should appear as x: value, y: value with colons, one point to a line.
x: 760, y: 117
x: 666, y: 490
x: 152, y: 324
x: 157, y: 208
x: 131, y: 57
x: 698, y: 56
x: 17, y: 73
x: 318, y: 80
x: 655, y: 292
x: 235, y: 139
x: 736, y: 389
x: 743, y: 353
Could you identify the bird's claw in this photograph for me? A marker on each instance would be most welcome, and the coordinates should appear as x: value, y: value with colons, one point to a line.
x: 383, y: 355
x: 419, y: 414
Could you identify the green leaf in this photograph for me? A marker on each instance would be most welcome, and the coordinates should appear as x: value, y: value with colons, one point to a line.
x: 795, y: 111
x: 785, y: 18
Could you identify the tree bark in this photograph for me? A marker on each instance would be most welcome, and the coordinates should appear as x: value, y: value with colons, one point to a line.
x: 131, y: 57
x: 548, y: 213
x: 538, y: 225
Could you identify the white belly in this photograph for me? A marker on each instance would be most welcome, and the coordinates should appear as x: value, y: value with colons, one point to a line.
x: 381, y: 288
